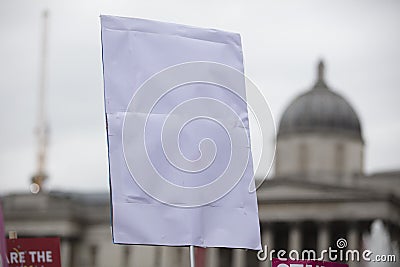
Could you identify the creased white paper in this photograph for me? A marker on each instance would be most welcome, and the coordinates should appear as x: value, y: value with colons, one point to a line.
x: 188, y: 136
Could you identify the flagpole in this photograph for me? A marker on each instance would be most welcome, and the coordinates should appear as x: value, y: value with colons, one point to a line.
x: 192, y: 257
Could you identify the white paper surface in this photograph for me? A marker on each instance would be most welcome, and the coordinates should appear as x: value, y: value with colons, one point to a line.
x: 134, y: 50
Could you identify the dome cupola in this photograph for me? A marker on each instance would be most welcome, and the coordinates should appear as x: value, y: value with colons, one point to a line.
x: 320, y: 110
x: 319, y: 135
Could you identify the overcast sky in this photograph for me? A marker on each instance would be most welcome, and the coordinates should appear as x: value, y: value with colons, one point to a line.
x: 282, y: 41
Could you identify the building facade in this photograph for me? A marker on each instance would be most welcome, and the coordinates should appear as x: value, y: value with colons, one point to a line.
x: 319, y: 194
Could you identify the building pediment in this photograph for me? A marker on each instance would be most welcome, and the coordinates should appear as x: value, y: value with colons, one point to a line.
x: 294, y: 190
x: 285, y: 199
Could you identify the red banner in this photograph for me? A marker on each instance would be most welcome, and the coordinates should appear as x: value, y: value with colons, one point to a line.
x: 305, y: 263
x: 33, y: 252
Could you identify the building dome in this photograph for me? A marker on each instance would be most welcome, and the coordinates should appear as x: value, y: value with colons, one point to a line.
x: 320, y: 110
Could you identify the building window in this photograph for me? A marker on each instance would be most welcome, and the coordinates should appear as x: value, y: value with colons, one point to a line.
x: 225, y: 257
x: 310, y: 232
x: 303, y: 157
x: 339, y: 158
x: 251, y: 259
x: 281, y: 236
x: 93, y: 255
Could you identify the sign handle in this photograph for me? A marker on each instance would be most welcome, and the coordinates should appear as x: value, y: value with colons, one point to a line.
x: 192, y: 257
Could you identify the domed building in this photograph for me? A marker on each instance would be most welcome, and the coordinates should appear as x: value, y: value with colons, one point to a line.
x: 318, y: 195
x: 319, y: 134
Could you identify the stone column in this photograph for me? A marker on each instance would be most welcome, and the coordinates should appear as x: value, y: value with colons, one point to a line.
x: 295, y: 236
x: 323, y: 239
x: 183, y: 256
x: 66, y: 252
x: 353, y: 236
x: 166, y: 256
x: 212, y: 259
x: 239, y: 258
x: 267, y: 242
x: 353, y: 242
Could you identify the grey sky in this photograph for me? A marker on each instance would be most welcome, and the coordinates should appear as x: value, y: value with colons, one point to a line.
x: 282, y: 41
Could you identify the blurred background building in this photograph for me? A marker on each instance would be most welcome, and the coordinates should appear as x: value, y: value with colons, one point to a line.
x: 319, y: 194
